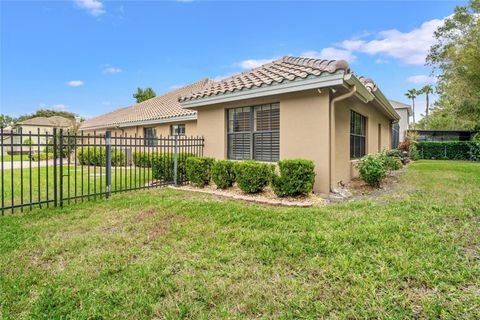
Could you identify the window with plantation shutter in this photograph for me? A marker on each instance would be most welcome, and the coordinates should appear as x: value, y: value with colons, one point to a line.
x: 254, y: 133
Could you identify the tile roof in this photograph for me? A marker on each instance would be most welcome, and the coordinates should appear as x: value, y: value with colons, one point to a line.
x: 54, y: 121
x: 275, y: 72
x: 165, y: 106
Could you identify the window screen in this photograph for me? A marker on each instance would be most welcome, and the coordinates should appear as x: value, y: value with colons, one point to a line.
x: 150, y: 136
x: 177, y: 130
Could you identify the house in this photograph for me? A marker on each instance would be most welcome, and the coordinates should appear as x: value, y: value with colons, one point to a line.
x: 160, y: 116
x: 405, y: 112
x: 289, y: 108
x: 31, y: 128
x: 295, y: 108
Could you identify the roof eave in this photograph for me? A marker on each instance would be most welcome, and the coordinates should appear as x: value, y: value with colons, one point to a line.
x: 281, y: 88
x: 366, y: 96
x: 140, y: 123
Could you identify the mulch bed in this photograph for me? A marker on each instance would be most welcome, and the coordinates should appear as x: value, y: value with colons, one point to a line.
x: 265, y: 197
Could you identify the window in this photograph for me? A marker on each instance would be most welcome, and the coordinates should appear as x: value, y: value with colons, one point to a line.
x: 358, y: 129
x: 254, y: 133
x: 177, y: 130
x: 150, y: 136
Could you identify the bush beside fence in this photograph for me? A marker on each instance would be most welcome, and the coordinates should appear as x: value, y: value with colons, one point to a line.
x: 449, y: 150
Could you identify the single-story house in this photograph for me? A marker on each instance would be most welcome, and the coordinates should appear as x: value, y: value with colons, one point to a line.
x: 290, y: 108
x: 160, y: 116
x: 42, y: 125
x: 405, y: 112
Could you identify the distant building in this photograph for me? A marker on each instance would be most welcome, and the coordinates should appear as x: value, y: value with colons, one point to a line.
x: 35, y: 126
x: 399, y: 129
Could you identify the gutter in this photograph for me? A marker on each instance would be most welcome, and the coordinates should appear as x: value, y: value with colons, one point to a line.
x: 331, y: 148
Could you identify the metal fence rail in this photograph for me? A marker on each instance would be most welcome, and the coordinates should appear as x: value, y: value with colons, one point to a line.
x: 45, y: 169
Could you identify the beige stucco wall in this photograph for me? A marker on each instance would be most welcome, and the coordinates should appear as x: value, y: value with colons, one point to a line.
x: 303, y: 129
x: 343, y: 166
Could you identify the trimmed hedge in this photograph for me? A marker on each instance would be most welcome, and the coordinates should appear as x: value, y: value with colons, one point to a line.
x: 42, y: 156
x: 97, y: 156
x: 296, y: 178
x: 449, y: 150
x: 253, y: 176
x: 198, y: 170
x: 223, y: 174
x: 163, y: 166
x: 144, y: 159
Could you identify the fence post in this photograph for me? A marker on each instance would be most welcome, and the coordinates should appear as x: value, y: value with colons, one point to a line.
x: 175, y: 160
x: 54, y: 167
x: 61, y: 166
x: 108, y: 168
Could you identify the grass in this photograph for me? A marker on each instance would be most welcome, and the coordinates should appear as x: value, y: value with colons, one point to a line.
x: 17, y: 157
x: 76, y: 180
x: 169, y: 254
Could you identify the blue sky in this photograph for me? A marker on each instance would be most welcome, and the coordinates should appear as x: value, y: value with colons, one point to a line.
x: 89, y: 56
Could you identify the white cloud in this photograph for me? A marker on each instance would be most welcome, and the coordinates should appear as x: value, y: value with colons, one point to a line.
x: 381, y: 61
x: 410, y: 47
x: 331, y: 53
x: 94, y: 7
x: 111, y: 69
x: 421, y: 78
x: 253, y: 63
x: 61, y: 107
x: 75, y: 83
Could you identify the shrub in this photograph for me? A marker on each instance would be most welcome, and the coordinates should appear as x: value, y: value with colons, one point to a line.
x: 144, y: 159
x: 28, y: 141
x: 163, y: 166
x: 391, y: 162
x: 223, y: 173
x: 42, y: 156
x: 97, y: 156
x: 296, y: 178
x: 393, y: 153
x: 449, y: 150
x: 372, y: 169
x: 198, y: 170
x: 253, y: 176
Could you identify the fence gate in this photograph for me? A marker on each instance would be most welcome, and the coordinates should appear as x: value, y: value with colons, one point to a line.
x: 45, y: 169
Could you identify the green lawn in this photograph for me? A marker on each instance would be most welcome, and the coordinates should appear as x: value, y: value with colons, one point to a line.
x: 159, y: 253
x: 15, y: 157
x: 76, y: 180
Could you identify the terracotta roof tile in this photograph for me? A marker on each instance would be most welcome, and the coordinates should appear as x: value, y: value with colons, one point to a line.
x: 278, y: 71
x: 54, y: 121
x: 161, y: 107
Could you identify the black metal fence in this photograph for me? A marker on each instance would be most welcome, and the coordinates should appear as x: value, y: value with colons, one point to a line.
x: 46, y: 169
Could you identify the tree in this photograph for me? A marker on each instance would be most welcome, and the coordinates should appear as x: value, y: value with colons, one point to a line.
x: 6, y: 120
x: 427, y: 90
x: 455, y: 56
x: 47, y: 113
x: 143, y: 95
x: 412, y: 94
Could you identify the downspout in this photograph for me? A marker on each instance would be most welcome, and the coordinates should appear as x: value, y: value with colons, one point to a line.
x: 332, y: 132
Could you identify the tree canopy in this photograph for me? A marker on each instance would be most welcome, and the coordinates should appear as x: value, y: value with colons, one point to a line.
x: 455, y: 59
x: 142, y: 95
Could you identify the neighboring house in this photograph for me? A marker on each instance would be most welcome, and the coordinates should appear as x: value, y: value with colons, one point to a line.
x: 295, y: 108
x: 405, y: 112
x: 159, y: 116
x: 35, y: 126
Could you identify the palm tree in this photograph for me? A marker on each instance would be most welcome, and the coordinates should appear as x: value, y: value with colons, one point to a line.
x: 427, y: 90
x: 412, y: 94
